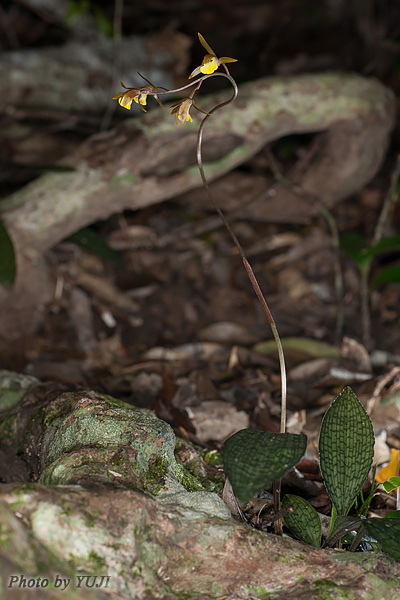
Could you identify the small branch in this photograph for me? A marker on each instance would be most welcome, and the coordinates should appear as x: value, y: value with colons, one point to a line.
x: 390, y: 200
x: 334, y: 233
x: 365, y: 313
x: 276, y: 492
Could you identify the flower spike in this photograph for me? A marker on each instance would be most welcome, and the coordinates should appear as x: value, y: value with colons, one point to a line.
x: 210, y: 61
x: 139, y: 95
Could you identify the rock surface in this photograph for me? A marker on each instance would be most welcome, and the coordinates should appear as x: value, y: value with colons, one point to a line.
x: 148, y: 160
x: 110, y: 499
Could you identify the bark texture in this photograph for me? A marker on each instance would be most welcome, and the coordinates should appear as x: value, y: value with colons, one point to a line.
x: 77, y: 77
x: 112, y: 500
x: 149, y: 159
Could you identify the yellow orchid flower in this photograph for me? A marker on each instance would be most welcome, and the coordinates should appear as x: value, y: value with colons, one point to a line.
x: 210, y: 61
x: 139, y: 95
x: 181, y: 110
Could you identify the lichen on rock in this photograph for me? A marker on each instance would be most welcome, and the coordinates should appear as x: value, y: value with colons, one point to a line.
x: 92, y: 439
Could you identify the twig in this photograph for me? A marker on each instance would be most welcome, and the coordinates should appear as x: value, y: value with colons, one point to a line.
x: 390, y: 200
x: 333, y: 230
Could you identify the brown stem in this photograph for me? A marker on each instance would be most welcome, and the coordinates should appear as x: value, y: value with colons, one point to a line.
x: 390, y: 200
x: 278, y: 525
x: 365, y: 314
x: 236, y: 242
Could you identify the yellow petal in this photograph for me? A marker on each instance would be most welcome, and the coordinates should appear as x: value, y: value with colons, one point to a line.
x: 125, y: 101
x: 117, y: 96
x: 184, y: 120
x: 392, y: 469
x: 141, y: 100
x: 205, y: 45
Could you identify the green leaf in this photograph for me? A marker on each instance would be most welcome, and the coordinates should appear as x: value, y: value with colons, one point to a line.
x: 342, y: 526
x: 7, y: 258
x: 386, y: 245
x: 305, y: 346
x: 355, y: 246
x: 304, y: 521
x: 387, y: 532
x: 77, y: 8
x: 395, y: 514
x: 93, y: 242
x: 390, y: 274
x: 103, y: 23
x: 346, y: 449
x: 391, y: 484
x: 253, y: 459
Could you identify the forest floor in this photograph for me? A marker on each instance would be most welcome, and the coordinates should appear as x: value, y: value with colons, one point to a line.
x: 177, y: 328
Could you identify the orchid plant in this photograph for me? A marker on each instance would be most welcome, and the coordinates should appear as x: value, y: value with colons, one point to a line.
x: 254, y: 459
x: 181, y: 110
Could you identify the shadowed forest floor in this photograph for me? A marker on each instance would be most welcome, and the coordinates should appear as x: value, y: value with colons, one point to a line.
x: 153, y: 306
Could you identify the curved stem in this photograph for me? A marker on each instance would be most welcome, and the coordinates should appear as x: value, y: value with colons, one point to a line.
x: 236, y: 242
x: 197, y: 82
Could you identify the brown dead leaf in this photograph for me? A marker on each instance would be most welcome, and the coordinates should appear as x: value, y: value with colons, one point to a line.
x: 217, y: 420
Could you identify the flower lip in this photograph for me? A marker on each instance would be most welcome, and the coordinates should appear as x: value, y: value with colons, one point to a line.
x: 136, y: 94
x: 139, y: 95
x: 181, y: 110
x: 210, y: 62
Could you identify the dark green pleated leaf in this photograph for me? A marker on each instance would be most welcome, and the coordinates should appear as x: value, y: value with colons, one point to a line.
x: 346, y: 449
x: 304, y: 521
x: 253, y: 459
x: 387, y: 532
x: 7, y: 258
